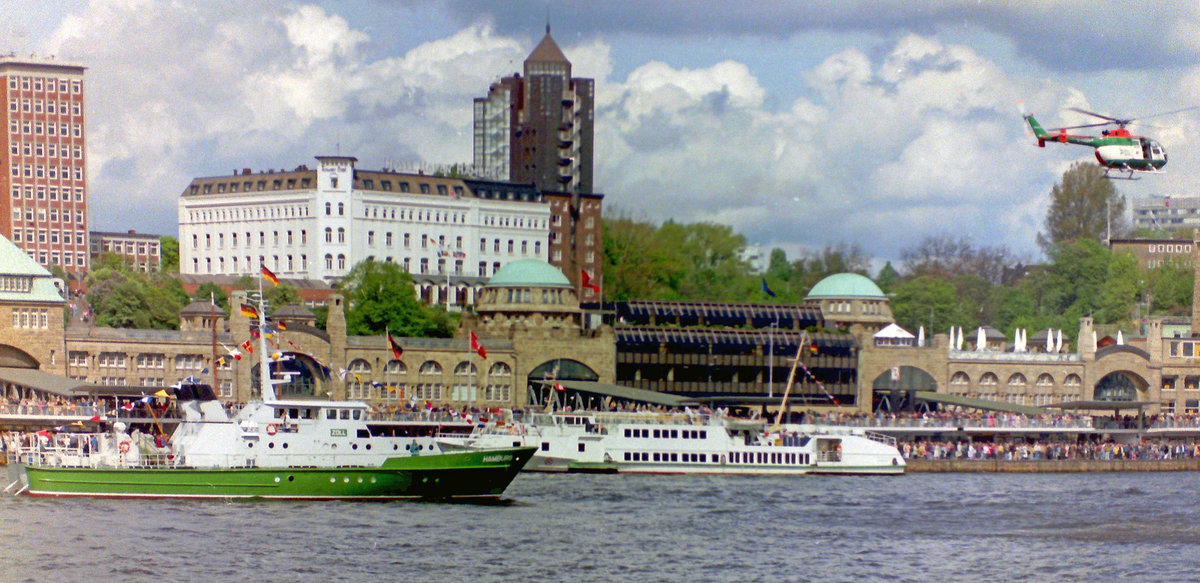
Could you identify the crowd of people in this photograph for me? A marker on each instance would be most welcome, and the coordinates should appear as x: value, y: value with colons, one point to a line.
x: 1146, y: 449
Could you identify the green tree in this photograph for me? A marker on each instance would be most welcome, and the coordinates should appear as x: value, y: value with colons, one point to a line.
x: 380, y: 296
x: 168, y: 247
x: 210, y: 291
x: 1082, y: 206
x: 633, y: 264
x: 1121, y: 291
x: 887, y: 277
x: 1170, y: 287
x: 929, y: 301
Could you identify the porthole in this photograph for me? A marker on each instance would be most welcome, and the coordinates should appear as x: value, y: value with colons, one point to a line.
x: 271, y: 445
x: 346, y: 479
x: 354, y: 446
x: 368, y: 446
x: 285, y: 445
x: 277, y: 479
x: 291, y: 478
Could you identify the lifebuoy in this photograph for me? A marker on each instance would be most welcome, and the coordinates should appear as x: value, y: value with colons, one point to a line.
x: 124, y: 447
x: 270, y: 429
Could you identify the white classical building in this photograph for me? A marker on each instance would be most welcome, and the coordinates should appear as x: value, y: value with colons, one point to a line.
x: 318, y: 223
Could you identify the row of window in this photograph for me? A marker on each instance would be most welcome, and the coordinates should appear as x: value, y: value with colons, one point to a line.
x: 50, y: 84
x: 113, y: 359
x: 41, y: 190
x: 666, y: 433
x: 16, y: 283
x: 42, y: 214
x: 41, y: 128
x: 735, y: 457
x: 45, y: 150
x: 56, y: 258
x: 35, y: 318
x: 1017, y: 379
x: 40, y: 171
x: 125, y: 247
x: 47, y: 236
x: 1035, y: 400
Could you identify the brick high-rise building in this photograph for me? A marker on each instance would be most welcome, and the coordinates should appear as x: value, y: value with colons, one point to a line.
x: 43, y: 161
x: 538, y: 129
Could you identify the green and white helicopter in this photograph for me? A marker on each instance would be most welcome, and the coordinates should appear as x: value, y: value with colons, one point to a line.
x: 1116, y: 149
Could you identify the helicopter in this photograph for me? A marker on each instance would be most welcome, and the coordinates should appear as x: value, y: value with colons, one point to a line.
x: 1116, y: 149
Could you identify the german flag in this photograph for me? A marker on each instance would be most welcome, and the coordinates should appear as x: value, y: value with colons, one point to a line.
x: 249, y: 311
x: 269, y: 276
x: 397, y: 350
x: 281, y: 325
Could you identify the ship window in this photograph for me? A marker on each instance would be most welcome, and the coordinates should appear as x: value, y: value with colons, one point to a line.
x: 656, y: 456
x: 674, y: 457
x: 703, y: 434
x: 628, y: 432
x: 345, y: 414
x: 582, y: 446
x: 545, y: 446
x: 687, y: 434
x: 628, y: 456
x: 656, y: 435
x: 357, y: 414
x: 703, y: 457
x: 674, y: 434
x: 331, y: 413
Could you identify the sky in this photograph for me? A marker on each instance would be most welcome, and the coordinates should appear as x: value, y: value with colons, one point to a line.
x: 799, y: 124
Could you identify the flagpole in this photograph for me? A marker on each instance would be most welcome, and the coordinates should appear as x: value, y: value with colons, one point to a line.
x: 264, y: 368
x: 212, y: 299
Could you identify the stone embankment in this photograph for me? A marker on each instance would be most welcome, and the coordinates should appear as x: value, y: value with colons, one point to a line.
x: 966, y: 465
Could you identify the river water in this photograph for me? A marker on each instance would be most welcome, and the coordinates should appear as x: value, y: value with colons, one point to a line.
x: 918, y: 527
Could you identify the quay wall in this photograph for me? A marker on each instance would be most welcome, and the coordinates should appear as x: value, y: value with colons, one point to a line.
x: 967, y: 466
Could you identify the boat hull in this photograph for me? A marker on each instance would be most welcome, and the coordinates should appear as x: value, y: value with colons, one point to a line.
x: 475, y: 474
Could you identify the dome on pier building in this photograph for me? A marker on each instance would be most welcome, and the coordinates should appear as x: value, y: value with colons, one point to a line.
x: 850, y: 301
x: 528, y: 294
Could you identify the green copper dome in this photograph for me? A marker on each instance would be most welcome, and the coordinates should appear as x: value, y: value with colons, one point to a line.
x: 529, y: 273
x: 845, y: 285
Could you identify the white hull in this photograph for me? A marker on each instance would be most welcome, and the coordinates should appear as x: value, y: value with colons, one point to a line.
x: 648, y: 444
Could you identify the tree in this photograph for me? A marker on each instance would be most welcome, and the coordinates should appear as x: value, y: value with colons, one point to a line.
x: 169, y: 248
x: 1121, y: 291
x: 1082, y: 206
x: 1169, y: 287
x: 887, y: 277
x: 929, y: 301
x: 380, y: 296
x: 209, y: 291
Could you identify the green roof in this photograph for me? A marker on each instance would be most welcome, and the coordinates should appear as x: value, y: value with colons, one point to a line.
x: 845, y: 285
x: 16, y: 263
x: 529, y: 273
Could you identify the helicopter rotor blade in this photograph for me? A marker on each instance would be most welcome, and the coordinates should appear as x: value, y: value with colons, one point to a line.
x: 1090, y: 125
x: 1170, y: 112
x: 1094, y: 114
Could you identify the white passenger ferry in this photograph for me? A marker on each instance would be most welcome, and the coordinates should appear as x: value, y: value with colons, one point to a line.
x: 681, y: 444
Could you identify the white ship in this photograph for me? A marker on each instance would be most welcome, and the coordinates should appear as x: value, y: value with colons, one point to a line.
x: 686, y: 444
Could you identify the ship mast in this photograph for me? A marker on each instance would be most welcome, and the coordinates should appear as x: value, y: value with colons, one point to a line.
x: 791, y: 377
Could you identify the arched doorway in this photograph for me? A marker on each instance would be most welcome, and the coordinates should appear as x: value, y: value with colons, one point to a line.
x: 308, y: 377
x: 539, y: 385
x: 894, y: 389
x: 1117, y: 386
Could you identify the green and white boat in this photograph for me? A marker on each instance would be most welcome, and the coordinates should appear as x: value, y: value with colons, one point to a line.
x: 277, y: 449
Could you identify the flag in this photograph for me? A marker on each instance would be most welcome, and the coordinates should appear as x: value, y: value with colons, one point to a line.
x: 558, y: 387
x: 128, y: 406
x: 204, y: 370
x: 281, y: 326
x: 587, y: 281
x: 247, y: 347
x: 44, y: 433
x: 235, y: 353
x: 357, y: 377
x: 767, y: 290
x: 397, y: 350
x: 267, y: 275
x: 95, y: 419
x: 477, y: 347
x: 221, y: 361
x: 161, y: 393
x: 255, y: 332
x: 249, y: 311
x: 342, y: 373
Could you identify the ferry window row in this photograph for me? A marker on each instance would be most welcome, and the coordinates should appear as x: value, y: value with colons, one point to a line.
x: 645, y: 456
x: 769, y: 457
x: 667, y: 433
x: 355, y: 414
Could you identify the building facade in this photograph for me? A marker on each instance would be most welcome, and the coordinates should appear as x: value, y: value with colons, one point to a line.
x: 318, y: 223
x: 141, y: 251
x: 1166, y: 212
x: 43, y: 155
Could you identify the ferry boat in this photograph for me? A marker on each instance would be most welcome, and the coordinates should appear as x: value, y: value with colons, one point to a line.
x: 277, y: 449
x: 681, y: 444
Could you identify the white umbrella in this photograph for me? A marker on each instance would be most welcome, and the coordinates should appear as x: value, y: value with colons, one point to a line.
x: 1094, y: 340
x: 921, y: 336
x: 1049, y: 340
x: 1058, y: 343
x: 958, y: 346
x: 1017, y: 346
x: 980, y: 339
x: 1120, y: 338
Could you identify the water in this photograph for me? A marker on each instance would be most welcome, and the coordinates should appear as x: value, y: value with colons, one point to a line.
x: 918, y: 527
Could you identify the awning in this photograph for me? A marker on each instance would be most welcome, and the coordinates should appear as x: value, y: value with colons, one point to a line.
x: 41, y: 381
x: 1102, y: 405
x: 620, y: 392
x: 979, y: 403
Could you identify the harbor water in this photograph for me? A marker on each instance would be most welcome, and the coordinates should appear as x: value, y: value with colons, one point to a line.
x: 1122, y: 526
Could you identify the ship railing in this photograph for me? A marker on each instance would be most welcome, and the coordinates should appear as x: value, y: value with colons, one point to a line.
x: 53, y: 410
x: 952, y: 423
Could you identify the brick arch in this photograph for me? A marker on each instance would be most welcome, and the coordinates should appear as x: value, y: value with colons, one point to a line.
x: 12, y: 356
x: 1120, y: 385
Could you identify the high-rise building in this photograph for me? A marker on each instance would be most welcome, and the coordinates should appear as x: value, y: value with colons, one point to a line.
x: 43, y: 161
x: 538, y: 129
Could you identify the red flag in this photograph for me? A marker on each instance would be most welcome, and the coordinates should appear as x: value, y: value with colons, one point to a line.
x: 587, y: 281
x: 247, y: 346
x: 397, y: 350
x: 558, y: 387
x: 95, y: 418
x: 477, y: 347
